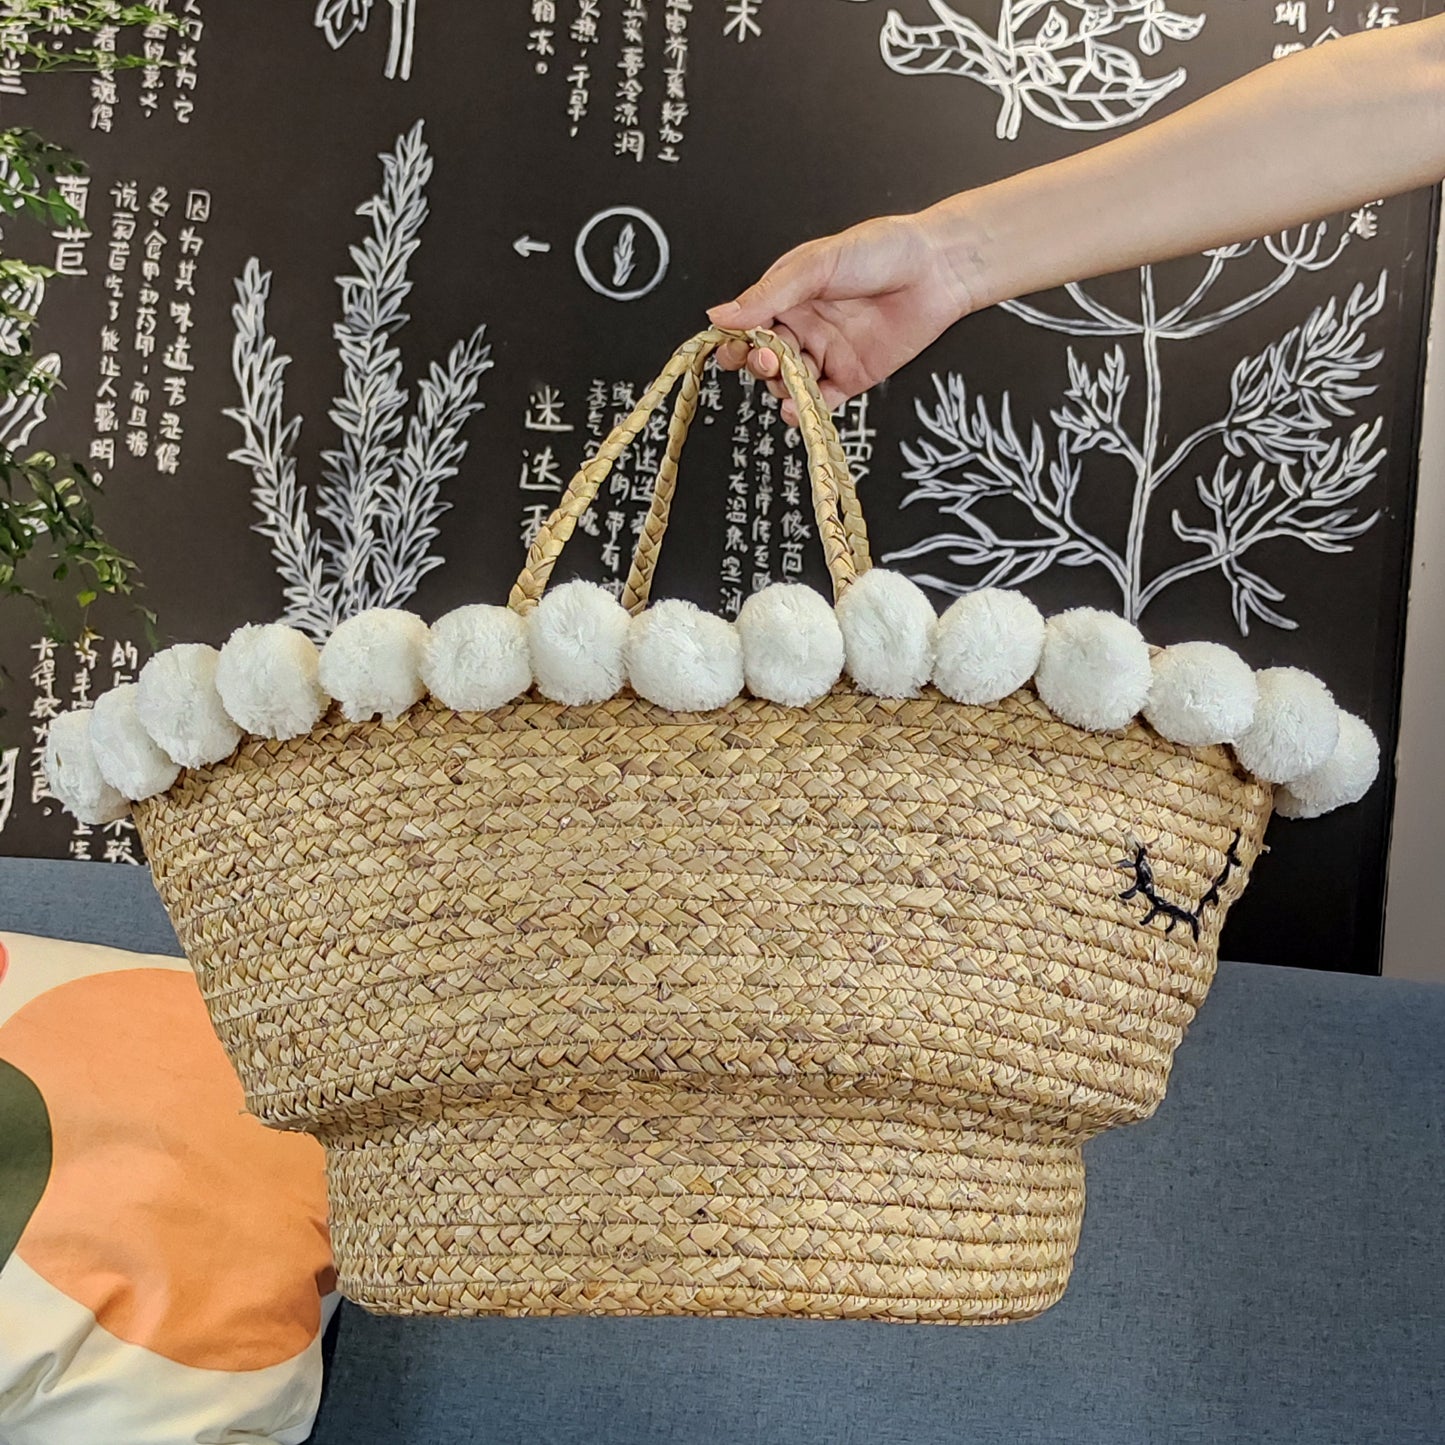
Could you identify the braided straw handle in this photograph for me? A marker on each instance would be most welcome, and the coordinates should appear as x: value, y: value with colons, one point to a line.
x: 835, y: 500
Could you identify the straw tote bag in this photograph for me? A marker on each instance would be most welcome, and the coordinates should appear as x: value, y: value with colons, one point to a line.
x: 765, y: 1009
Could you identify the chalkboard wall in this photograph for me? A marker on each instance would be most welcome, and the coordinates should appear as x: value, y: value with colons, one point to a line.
x: 522, y: 206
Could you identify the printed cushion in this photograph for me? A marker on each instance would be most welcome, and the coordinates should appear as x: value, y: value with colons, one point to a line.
x: 165, y: 1275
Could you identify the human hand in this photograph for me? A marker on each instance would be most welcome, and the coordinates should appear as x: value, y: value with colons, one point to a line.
x: 856, y: 306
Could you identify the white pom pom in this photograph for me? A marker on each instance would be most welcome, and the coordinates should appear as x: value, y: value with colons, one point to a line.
x: 268, y: 681
x: 477, y: 658
x: 987, y: 645
x: 887, y: 624
x: 792, y: 644
x: 181, y: 709
x: 372, y: 663
x: 72, y: 774
x: 576, y: 637
x: 683, y: 658
x: 1295, y: 729
x: 1202, y: 694
x: 124, y: 751
x: 1094, y: 671
x: 1345, y: 778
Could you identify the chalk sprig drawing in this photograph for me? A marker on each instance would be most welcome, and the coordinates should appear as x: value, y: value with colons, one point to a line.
x: 367, y: 537
x: 1285, y: 459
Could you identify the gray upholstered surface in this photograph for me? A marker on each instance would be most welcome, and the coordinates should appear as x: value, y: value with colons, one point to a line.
x: 1262, y: 1262
x: 108, y: 903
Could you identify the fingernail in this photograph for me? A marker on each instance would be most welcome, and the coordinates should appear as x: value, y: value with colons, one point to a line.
x: 725, y: 311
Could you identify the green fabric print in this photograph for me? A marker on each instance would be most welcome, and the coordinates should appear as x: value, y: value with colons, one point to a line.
x: 25, y: 1155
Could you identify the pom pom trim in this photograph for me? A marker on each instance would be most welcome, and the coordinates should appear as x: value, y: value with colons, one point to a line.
x: 736, y: 645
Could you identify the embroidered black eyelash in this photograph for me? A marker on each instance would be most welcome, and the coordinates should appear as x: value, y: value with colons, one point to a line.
x: 1159, y: 907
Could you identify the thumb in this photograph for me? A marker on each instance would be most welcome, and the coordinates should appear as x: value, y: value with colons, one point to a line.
x: 788, y: 282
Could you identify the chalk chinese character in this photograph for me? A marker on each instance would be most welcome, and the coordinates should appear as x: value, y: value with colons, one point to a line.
x: 177, y: 356
x: 742, y: 22
x: 544, y: 411
x: 1381, y: 17
x: 198, y: 207
x: 119, y: 843
x: 124, y: 661
x: 75, y: 190
x: 539, y: 472
x: 70, y: 252
x: 1365, y: 223
x: 1291, y: 12
x: 533, y: 520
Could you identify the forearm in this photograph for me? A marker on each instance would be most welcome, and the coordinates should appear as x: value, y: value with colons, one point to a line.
x: 1324, y: 130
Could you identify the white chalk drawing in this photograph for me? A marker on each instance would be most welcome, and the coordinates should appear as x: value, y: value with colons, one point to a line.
x: 380, y: 496
x: 8, y: 759
x: 623, y: 256
x: 525, y: 246
x: 339, y: 20
x: 1049, y: 60
x: 741, y: 19
x: 20, y: 413
x: 23, y: 410
x: 1287, y: 461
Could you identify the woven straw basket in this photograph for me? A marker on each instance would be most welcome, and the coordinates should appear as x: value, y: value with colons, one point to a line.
x: 766, y: 1011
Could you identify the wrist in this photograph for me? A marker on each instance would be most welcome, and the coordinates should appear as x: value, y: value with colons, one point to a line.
x: 964, y: 255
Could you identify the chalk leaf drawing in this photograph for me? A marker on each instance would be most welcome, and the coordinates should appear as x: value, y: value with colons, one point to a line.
x: 376, y: 509
x: 1285, y: 460
x: 624, y: 256
x: 1051, y: 60
x: 8, y: 759
x: 339, y: 20
x: 23, y: 408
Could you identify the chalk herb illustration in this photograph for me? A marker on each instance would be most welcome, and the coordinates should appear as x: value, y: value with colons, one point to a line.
x: 8, y: 759
x: 339, y: 20
x: 1286, y: 460
x: 1053, y: 61
x: 614, y: 273
x: 23, y: 408
x: 367, y: 538
x: 624, y: 256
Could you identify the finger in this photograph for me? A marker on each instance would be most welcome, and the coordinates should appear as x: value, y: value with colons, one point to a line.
x: 778, y: 389
x: 788, y: 282
x: 763, y: 363
x: 732, y: 355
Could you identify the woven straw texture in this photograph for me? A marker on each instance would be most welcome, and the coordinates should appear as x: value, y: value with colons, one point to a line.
x: 766, y: 1011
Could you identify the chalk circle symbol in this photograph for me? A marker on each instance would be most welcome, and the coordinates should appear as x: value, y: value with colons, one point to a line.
x: 659, y: 237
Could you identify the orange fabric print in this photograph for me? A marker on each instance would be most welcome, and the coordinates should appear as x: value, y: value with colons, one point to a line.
x: 179, y: 1220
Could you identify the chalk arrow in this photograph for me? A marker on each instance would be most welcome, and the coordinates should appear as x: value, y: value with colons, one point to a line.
x: 525, y: 245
